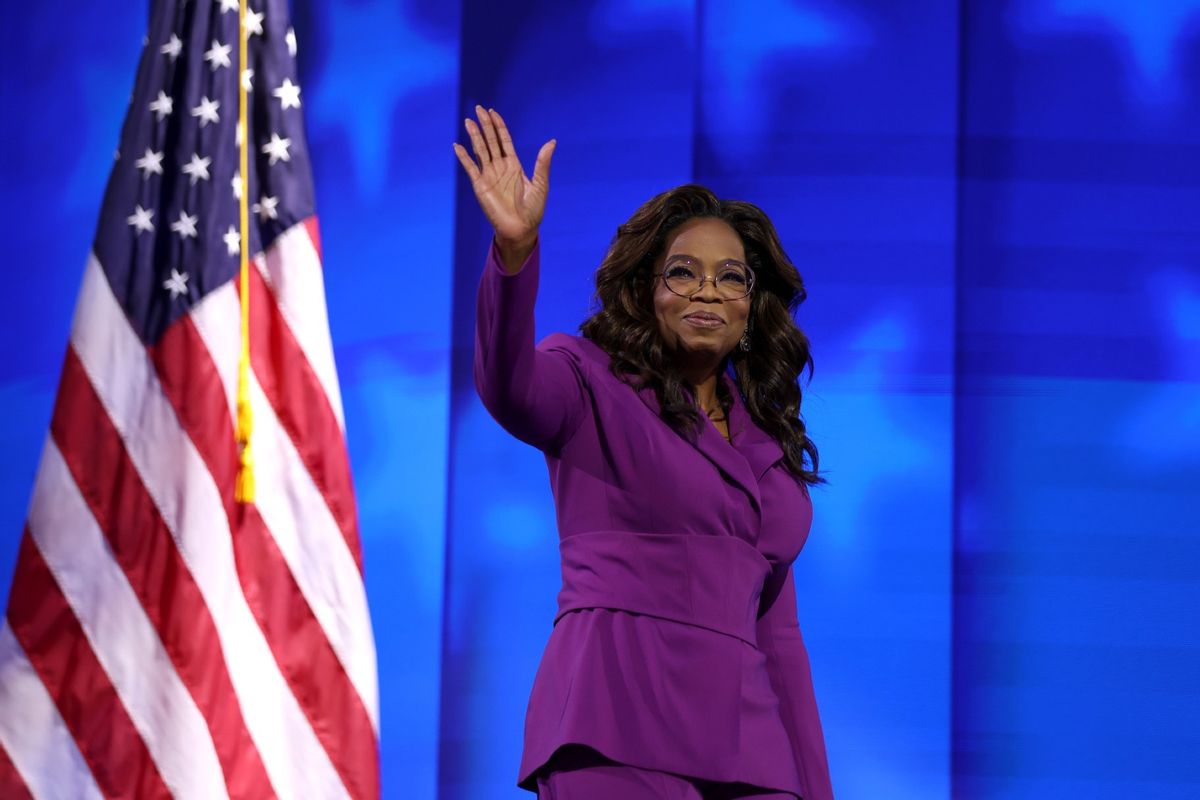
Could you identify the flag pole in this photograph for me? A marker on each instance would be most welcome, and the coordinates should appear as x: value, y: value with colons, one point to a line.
x: 244, y: 485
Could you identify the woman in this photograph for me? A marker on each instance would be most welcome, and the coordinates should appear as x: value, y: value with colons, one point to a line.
x: 680, y: 468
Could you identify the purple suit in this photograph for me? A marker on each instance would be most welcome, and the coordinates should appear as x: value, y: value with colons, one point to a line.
x: 676, y: 645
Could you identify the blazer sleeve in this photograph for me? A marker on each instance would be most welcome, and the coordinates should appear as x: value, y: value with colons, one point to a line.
x: 536, y: 393
x: 779, y: 638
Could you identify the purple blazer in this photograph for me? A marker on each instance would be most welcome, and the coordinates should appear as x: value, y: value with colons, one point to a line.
x: 676, y: 645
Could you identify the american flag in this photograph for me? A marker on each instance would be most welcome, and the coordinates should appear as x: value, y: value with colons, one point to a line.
x: 161, y: 637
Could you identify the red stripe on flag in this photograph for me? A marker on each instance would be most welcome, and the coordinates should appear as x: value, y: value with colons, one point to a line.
x: 142, y: 544
x: 12, y: 787
x: 312, y: 669
x: 314, y: 233
x: 303, y: 408
x: 317, y: 678
x: 53, y: 640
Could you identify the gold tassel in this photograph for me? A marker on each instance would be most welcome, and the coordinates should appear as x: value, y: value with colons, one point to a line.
x: 243, y: 490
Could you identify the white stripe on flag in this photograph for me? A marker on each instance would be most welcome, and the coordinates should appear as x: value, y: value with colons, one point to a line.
x: 122, y: 637
x: 292, y: 268
x: 33, y: 733
x: 297, y: 516
x: 315, y: 550
x: 224, y: 341
x: 177, y: 479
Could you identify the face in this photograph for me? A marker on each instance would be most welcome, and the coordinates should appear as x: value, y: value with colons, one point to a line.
x: 706, y: 326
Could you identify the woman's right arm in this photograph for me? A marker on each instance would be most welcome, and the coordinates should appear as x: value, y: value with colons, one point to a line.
x: 537, y: 394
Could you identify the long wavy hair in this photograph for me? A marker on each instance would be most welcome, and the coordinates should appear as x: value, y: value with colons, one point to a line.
x: 624, y: 324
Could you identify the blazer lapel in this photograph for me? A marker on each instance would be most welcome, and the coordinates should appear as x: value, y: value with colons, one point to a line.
x: 734, y: 462
x: 760, y: 450
x: 727, y: 459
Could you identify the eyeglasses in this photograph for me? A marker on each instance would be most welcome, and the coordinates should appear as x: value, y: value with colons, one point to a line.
x: 731, y: 283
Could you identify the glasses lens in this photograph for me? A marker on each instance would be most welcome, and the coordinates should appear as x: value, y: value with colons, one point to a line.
x: 732, y: 283
x: 682, y: 280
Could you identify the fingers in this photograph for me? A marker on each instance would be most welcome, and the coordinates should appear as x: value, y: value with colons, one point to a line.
x: 541, y: 168
x: 489, y: 132
x: 477, y: 143
x: 502, y: 132
x: 468, y: 163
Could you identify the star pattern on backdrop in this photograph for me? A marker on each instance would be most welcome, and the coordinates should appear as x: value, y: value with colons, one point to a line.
x: 356, y: 32
x: 1151, y: 34
x: 747, y: 49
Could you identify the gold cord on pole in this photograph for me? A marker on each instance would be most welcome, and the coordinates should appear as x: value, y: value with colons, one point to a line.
x: 244, y: 485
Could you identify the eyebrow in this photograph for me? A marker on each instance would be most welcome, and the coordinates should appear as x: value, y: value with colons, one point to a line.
x: 686, y: 257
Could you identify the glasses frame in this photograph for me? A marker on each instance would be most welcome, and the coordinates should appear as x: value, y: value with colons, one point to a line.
x: 704, y: 279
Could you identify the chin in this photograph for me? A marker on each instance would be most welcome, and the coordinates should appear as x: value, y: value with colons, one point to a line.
x: 703, y: 345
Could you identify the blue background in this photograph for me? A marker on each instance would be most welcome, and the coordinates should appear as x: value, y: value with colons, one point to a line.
x: 996, y: 208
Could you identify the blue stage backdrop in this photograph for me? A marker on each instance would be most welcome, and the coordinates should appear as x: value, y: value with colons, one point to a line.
x: 996, y: 208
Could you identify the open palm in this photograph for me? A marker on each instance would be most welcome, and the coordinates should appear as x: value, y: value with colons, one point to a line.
x: 513, y: 203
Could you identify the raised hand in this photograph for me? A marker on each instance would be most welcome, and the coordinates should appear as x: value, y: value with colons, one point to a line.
x: 512, y: 202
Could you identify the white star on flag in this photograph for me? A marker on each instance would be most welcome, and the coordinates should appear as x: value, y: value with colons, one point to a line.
x: 236, y: 183
x: 151, y: 162
x: 217, y: 55
x: 288, y: 94
x: 162, y: 105
x: 229, y: 5
x: 197, y: 168
x: 253, y: 22
x: 207, y: 111
x: 185, y: 226
x: 290, y: 38
x: 277, y: 149
x: 247, y: 77
x: 140, y: 219
x: 176, y: 284
x: 233, y: 241
x: 266, y: 208
x: 172, y: 48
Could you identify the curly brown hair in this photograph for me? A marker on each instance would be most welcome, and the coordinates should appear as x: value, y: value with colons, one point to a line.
x: 625, y: 327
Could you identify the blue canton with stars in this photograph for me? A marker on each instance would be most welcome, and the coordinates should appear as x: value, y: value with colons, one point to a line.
x: 168, y: 231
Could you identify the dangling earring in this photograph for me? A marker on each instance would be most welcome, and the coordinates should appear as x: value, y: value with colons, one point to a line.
x: 744, y: 342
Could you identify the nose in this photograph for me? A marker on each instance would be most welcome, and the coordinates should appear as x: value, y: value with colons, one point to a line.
x: 712, y: 295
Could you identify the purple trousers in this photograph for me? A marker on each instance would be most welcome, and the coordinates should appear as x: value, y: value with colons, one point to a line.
x: 580, y: 773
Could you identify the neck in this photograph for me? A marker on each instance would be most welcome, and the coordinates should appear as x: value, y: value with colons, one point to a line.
x: 704, y: 384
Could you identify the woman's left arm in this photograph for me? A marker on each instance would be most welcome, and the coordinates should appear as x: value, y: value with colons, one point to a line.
x: 778, y: 631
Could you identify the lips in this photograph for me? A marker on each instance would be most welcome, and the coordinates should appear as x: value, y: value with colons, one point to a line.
x: 704, y: 319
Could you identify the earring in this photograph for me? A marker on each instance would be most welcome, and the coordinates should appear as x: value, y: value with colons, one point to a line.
x: 744, y: 342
